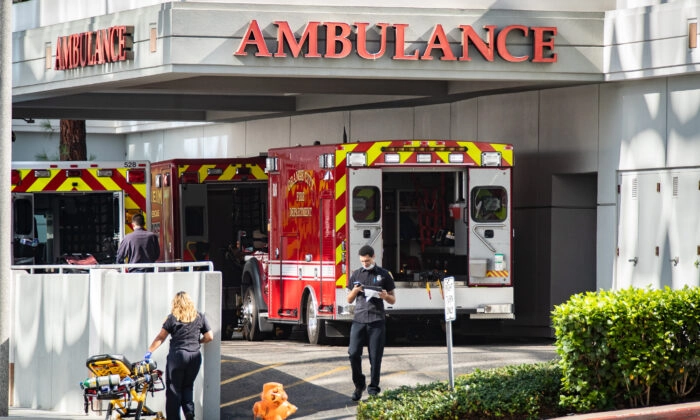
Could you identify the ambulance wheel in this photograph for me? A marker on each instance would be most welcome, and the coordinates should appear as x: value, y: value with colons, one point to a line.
x: 251, y: 328
x: 315, y: 327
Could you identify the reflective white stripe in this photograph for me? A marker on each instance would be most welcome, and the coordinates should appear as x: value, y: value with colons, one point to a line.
x: 292, y: 270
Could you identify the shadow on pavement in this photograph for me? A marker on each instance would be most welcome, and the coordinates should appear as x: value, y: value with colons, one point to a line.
x: 244, y: 384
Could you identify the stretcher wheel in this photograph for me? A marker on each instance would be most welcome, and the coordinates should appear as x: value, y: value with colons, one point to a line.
x: 110, y: 409
x: 139, y: 410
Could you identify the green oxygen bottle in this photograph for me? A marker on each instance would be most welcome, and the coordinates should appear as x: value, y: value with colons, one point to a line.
x: 100, y: 381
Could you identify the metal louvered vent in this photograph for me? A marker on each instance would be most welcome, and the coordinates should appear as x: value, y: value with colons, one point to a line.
x: 675, y: 186
x: 635, y: 184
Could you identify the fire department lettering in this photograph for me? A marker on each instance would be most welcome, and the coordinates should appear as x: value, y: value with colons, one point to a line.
x: 300, y: 212
x: 300, y: 176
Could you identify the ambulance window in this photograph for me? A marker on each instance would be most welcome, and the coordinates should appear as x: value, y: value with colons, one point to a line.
x: 366, y: 204
x: 24, y: 217
x: 194, y: 221
x: 489, y: 204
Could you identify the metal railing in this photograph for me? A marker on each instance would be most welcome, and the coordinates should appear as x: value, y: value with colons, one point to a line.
x: 122, y: 268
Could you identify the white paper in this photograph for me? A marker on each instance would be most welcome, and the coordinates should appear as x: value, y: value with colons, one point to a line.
x: 369, y: 294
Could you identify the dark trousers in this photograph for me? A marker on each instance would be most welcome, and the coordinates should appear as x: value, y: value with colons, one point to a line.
x: 373, y: 335
x: 181, y: 371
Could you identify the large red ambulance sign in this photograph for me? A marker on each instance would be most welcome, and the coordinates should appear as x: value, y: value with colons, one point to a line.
x: 342, y: 39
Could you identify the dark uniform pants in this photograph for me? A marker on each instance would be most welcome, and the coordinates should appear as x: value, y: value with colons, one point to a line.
x: 182, y: 369
x: 373, y: 335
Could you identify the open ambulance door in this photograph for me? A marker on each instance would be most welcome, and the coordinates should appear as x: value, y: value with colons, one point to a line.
x: 194, y: 225
x: 365, y: 213
x: 118, y: 218
x: 23, y: 229
x: 489, y: 224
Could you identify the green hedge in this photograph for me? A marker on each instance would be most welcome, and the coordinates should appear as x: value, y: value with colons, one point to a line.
x: 528, y: 391
x: 628, y: 348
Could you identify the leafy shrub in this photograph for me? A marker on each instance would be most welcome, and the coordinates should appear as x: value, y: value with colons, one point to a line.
x: 628, y: 348
x: 528, y: 391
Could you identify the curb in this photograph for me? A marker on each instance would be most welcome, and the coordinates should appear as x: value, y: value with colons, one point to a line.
x: 662, y: 412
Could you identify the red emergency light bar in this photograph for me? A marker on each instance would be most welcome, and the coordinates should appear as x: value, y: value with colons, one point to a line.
x: 16, y: 177
x: 136, y: 176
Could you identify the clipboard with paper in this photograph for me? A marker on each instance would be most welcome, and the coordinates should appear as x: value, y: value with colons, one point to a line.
x: 371, y: 291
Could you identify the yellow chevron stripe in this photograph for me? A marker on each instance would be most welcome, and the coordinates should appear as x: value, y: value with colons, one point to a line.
x: 203, y: 171
x: 338, y: 254
x: 375, y: 151
x: 340, y: 218
x: 141, y: 188
x: 342, y: 281
x: 258, y: 172
x: 129, y: 203
x: 345, y: 148
x: 39, y: 184
x: 73, y: 184
x: 444, y: 156
x: 506, y: 154
x: 228, y: 173
x: 473, y: 152
x: 107, y: 182
x: 340, y: 187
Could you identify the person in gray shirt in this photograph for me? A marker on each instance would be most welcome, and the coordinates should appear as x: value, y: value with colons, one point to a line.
x: 139, y: 247
x: 368, y: 323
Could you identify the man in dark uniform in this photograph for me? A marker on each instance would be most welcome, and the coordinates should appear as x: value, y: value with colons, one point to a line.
x: 139, y: 247
x: 369, y: 287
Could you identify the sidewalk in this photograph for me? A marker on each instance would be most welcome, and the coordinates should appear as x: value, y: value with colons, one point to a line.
x: 665, y: 412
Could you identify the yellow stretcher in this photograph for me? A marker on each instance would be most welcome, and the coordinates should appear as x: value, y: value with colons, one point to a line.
x: 123, y: 384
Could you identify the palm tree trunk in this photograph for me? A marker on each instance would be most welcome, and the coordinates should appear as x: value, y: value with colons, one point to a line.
x: 72, y: 145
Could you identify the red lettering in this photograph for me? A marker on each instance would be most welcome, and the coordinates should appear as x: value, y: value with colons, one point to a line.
x: 114, y: 43
x: 285, y: 34
x: 99, y: 48
x: 333, y: 38
x: 362, y: 40
x: 121, y: 43
x: 106, y: 47
x: 89, y: 49
x: 74, y: 51
x: 539, y: 44
x: 253, y: 36
x: 486, y: 49
x: 399, y: 44
x: 501, y: 43
x: 83, y: 48
x: 59, y: 64
x: 438, y: 39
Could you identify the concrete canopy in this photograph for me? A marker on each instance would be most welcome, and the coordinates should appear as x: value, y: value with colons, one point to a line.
x: 185, y: 67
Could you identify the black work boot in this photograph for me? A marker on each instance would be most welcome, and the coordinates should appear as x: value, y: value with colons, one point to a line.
x: 357, y: 394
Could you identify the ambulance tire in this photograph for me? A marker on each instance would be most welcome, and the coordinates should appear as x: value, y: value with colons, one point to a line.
x: 315, y: 327
x: 251, y: 328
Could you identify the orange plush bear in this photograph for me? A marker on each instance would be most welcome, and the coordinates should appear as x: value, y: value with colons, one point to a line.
x: 273, y: 404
